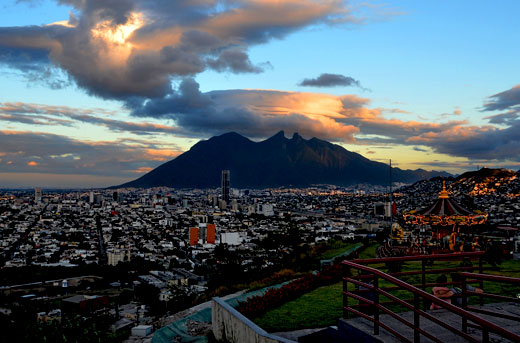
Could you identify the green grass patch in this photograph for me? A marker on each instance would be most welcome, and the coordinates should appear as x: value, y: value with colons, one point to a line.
x: 319, y: 308
x: 369, y: 251
x: 278, y: 277
x: 337, y: 248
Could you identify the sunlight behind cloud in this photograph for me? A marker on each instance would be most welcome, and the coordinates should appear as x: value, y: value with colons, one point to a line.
x: 120, y: 33
x: 119, y: 46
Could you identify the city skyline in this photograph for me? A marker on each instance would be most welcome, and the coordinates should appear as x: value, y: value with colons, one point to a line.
x: 95, y: 94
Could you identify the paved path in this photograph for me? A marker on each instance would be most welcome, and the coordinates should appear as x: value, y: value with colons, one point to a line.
x: 294, y: 335
x: 443, y: 334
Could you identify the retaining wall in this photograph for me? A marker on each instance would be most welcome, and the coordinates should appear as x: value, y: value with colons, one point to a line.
x: 231, y: 326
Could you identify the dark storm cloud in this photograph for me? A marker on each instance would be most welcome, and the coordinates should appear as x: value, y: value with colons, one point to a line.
x: 330, y: 80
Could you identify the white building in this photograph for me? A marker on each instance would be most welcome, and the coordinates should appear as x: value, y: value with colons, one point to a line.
x: 142, y: 330
x: 231, y: 238
x: 265, y: 209
x: 118, y: 255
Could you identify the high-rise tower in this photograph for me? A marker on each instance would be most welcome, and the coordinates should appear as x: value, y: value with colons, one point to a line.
x: 225, y: 186
x: 37, y: 195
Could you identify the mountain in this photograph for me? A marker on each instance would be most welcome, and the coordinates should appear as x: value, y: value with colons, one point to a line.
x: 277, y: 161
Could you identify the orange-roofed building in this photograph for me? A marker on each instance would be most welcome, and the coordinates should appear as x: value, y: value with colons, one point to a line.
x: 210, y: 233
x: 194, y: 236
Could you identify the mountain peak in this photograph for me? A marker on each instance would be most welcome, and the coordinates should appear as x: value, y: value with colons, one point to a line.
x: 231, y: 134
x: 280, y: 136
x: 275, y: 162
x: 296, y: 136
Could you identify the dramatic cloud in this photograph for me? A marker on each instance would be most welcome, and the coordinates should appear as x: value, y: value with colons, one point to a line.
x: 474, y: 142
x: 134, y: 50
x: 505, y: 100
x: 40, y: 152
x: 347, y: 118
x: 36, y: 114
x: 506, y: 118
x: 331, y: 80
x: 119, y: 49
x: 254, y: 113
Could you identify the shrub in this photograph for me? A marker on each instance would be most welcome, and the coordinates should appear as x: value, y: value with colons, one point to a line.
x: 275, y: 297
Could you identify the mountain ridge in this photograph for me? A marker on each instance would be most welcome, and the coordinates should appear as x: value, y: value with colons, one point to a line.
x: 274, y: 162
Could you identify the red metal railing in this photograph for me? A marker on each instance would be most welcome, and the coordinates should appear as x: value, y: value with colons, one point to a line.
x: 368, y: 307
x: 423, y: 272
x: 493, y: 278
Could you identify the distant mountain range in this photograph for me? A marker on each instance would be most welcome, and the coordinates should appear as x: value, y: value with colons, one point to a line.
x: 274, y: 162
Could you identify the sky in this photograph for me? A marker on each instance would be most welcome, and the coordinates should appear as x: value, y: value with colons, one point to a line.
x: 95, y: 93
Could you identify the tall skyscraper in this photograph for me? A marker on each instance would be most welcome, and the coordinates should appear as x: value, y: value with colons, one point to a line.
x: 38, y: 195
x: 225, y: 186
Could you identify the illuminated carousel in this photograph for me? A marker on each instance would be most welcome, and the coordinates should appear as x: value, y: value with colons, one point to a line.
x: 445, y: 218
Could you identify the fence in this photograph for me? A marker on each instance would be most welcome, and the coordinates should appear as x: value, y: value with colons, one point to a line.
x: 482, y: 295
x: 369, y: 295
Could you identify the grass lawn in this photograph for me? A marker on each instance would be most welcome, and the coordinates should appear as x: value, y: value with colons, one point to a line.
x: 369, y: 251
x: 319, y: 308
x: 337, y: 249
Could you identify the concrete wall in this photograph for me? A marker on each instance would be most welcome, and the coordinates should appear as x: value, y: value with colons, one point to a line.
x: 230, y: 325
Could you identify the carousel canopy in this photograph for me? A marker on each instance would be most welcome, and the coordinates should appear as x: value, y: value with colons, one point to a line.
x: 445, y: 211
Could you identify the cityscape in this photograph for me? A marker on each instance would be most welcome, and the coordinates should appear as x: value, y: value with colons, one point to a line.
x: 259, y: 171
x: 139, y: 257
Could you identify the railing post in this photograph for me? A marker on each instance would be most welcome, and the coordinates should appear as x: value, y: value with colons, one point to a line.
x: 345, y: 297
x: 416, y: 319
x: 485, y: 335
x: 423, y: 280
x: 376, y: 303
x: 481, y: 284
x: 464, y: 304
